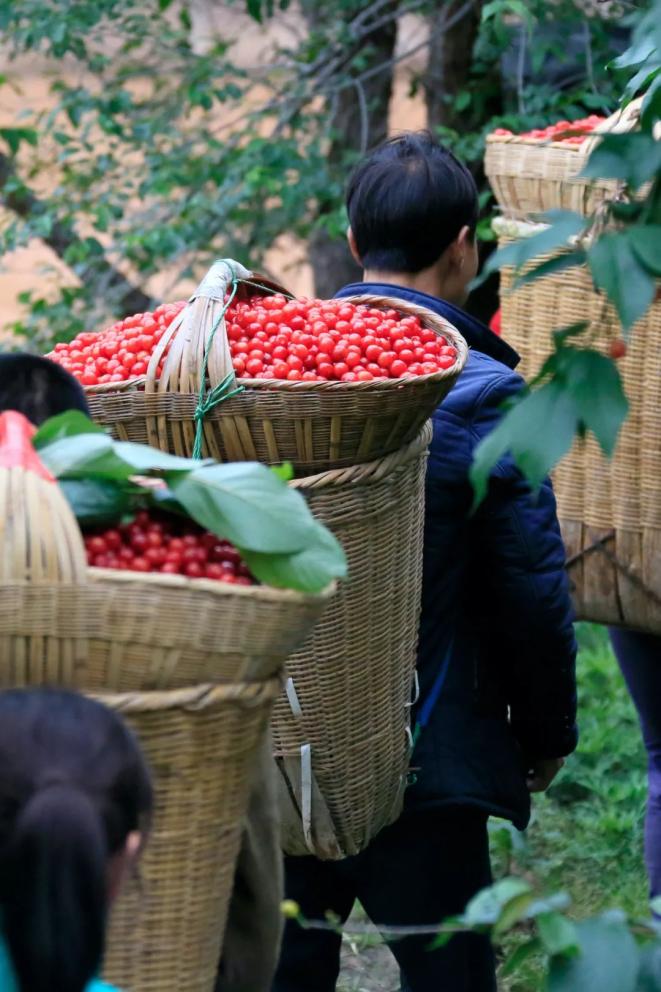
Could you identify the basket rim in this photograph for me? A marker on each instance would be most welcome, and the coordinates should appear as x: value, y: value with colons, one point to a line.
x: 195, y: 698
x: 507, y: 139
x: 438, y: 324
x: 214, y: 586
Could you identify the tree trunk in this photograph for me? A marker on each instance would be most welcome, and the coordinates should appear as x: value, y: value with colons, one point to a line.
x: 359, y: 121
x: 449, y: 63
x: 447, y: 74
x: 24, y: 203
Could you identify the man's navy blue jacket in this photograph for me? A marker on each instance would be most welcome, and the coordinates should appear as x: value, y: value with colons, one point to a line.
x: 497, y: 645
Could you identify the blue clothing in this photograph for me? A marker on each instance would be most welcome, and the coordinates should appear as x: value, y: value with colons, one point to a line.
x: 8, y: 978
x: 496, y: 613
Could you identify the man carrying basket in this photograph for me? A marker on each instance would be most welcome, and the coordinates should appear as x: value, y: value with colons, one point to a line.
x: 497, y: 706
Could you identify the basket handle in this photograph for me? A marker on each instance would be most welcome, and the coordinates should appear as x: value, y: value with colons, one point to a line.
x: 198, y: 336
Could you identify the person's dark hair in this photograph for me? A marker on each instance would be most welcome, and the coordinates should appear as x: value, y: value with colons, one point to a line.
x: 38, y: 388
x: 73, y: 785
x: 407, y: 201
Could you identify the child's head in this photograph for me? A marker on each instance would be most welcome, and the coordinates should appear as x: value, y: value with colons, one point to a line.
x: 38, y: 388
x: 75, y: 798
x: 413, y: 209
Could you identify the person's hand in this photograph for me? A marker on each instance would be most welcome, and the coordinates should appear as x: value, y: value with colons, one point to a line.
x: 541, y: 773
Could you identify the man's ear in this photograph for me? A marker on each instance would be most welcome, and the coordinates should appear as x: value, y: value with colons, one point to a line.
x: 460, y: 247
x: 353, y: 248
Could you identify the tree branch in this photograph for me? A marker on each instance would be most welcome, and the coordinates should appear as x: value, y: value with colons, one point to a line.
x: 99, y: 272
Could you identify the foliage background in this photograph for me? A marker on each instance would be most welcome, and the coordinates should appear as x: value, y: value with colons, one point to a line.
x: 160, y: 143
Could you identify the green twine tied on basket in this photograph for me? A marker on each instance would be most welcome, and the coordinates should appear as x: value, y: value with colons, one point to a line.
x: 225, y: 389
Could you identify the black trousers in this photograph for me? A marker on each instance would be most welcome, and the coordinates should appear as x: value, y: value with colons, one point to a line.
x: 424, y: 868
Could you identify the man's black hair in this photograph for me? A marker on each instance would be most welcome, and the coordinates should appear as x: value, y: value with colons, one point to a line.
x: 38, y: 388
x: 407, y: 201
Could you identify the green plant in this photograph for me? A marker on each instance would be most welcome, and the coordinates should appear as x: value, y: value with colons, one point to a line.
x: 243, y: 502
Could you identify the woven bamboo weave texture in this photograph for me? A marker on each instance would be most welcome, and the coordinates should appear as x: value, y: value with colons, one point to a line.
x: 528, y: 176
x: 120, y: 633
x: 353, y: 676
x: 314, y: 425
x: 201, y: 743
x: 620, y: 498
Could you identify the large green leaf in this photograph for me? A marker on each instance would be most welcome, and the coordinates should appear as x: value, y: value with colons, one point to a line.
x: 68, y: 424
x: 247, y: 504
x: 649, y: 976
x: 537, y: 432
x: 95, y: 502
x: 646, y: 244
x: 84, y: 456
x: 489, y: 905
x: 309, y: 570
x: 618, y: 273
x: 563, y: 225
x: 633, y: 158
x: 596, y: 390
x: 607, y: 962
x: 551, y: 266
x: 557, y: 933
x: 92, y: 453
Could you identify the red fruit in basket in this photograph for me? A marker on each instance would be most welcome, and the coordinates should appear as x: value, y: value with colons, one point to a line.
x: 271, y: 338
x: 169, y: 546
x: 618, y: 349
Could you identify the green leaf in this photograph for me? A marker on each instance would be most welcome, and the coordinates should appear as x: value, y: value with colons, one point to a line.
x: 537, y: 431
x: 567, y: 260
x: 143, y: 459
x: 68, y: 424
x: 488, y: 906
x: 254, y: 8
x: 633, y: 158
x: 557, y: 933
x: 247, y: 504
x: 309, y: 570
x: 15, y: 135
x: 649, y: 975
x: 520, y: 955
x: 284, y: 471
x: 595, y: 386
x: 636, y: 54
x: 646, y: 243
x: 84, y: 456
x: 607, y: 962
x: 96, y: 502
x: 565, y: 224
x: 618, y: 273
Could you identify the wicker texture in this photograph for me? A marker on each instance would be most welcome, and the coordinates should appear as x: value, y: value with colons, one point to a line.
x: 616, y: 580
x: 353, y: 677
x: 529, y: 176
x: 121, y: 633
x: 314, y: 425
x: 166, y: 929
x: 40, y: 540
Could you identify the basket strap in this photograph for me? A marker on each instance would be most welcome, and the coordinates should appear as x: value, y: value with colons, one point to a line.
x: 306, y: 766
x: 427, y: 707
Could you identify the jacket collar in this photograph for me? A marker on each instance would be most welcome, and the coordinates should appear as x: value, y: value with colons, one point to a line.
x: 477, y: 335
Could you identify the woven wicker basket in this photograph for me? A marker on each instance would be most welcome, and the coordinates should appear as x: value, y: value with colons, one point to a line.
x: 314, y: 425
x: 166, y: 929
x: 528, y: 176
x: 121, y: 633
x: 341, y: 728
x: 610, y: 511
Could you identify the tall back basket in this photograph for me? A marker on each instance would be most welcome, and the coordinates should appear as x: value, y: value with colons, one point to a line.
x: 193, y: 665
x: 167, y: 927
x: 610, y: 511
x: 341, y: 727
